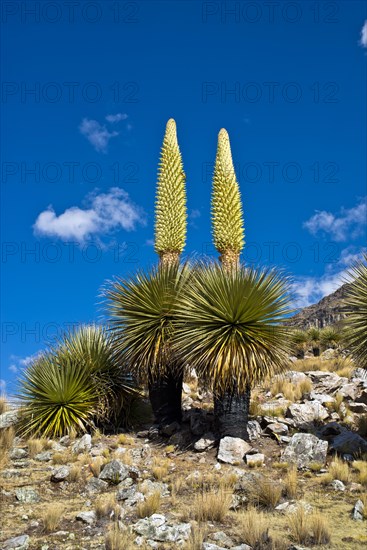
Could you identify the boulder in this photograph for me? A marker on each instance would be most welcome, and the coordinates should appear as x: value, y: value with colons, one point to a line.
x: 60, y: 474
x: 358, y: 511
x: 253, y: 430
x: 337, y: 485
x: 114, y: 472
x: 277, y: 428
x: 306, y: 413
x: 156, y: 528
x: 232, y: 450
x: 255, y: 459
x: 17, y: 453
x: 27, y: 495
x: 205, y: 443
x: 45, y: 456
x: 359, y: 408
x: 96, y: 485
x: 86, y: 517
x: 342, y: 440
x: 8, y: 419
x: 322, y: 398
x: 304, y: 449
x: 17, y: 543
x: 82, y: 445
x: 148, y: 487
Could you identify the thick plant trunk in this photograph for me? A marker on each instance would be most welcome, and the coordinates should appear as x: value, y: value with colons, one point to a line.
x: 165, y: 394
x: 231, y: 411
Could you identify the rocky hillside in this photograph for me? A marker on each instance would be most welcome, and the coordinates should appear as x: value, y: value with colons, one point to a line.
x: 330, y: 310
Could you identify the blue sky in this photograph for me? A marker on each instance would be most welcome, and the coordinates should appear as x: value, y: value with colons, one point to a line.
x: 86, y: 93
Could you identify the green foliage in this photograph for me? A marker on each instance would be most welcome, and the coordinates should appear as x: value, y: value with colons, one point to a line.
x: 356, y: 302
x: 313, y: 335
x: 227, y: 217
x: 171, y: 214
x: 228, y: 326
x: 142, y: 311
x: 299, y: 338
x: 330, y: 337
x: 74, y: 385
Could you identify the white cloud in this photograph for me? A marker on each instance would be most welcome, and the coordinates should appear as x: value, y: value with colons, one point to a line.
x: 13, y: 368
x: 363, y: 40
x: 309, y: 290
x: 116, y: 118
x: 107, y: 212
x: 97, y: 134
x: 2, y: 386
x: 348, y: 223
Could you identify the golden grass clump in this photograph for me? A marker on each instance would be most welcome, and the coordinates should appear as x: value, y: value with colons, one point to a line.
x: 308, y: 529
x: 124, y: 439
x: 315, y: 466
x: 264, y: 493
x: 197, y: 537
x: 149, y: 506
x: 118, y: 539
x: 7, y: 436
x: 360, y: 466
x: 291, y: 484
x: 51, y: 516
x: 3, y: 405
x: 160, y: 469
x: 211, y: 505
x: 338, y: 469
x: 253, y: 528
x: 95, y: 465
x: 106, y: 506
x: 75, y: 473
x: 36, y: 446
x: 280, y: 465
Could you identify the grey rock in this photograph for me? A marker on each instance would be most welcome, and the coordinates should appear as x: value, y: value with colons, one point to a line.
x: 60, y: 474
x: 303, y: 449
x: 349, y: 391
x: 134, y: 499
x: 359, y: 408
x: 337, y: 485
x: 45, y: 456
x: 149, y: 487
x: 96, y: 485
x: 342, y: 440
x: 221, y: 538
x: 241, y: 547
x: 305, y: 413
x: 204, y: 443
x: 82, y: 445
x: 212, y: 546
x: 17, y: 453
x: 277, y: 428
x: 27, y: 494
x: 170, y: 429
x: 322, y: 398
x: 125, y: 494
x: 358, y: 511
x: 55, y: 446
x: 8, y: 419
x: 65, y: 440
x: 86, y: 517
x: 156, y: 528
x: 114, y: 472
x: 255, y: 459
x: 186, y: 388
x: 253, y: 430
x: 232, y: 450
x: 17, y: 543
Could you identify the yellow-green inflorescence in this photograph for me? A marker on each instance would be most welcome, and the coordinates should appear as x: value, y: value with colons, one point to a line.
x: 227, y: 216
x: 170, y: 206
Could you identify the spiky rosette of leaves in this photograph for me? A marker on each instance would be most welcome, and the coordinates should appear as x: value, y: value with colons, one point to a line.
x: 356, y: 321
x: 227, y: 216
x: 57, y: 395
x: 228, y: 326
x: 170, y: 206
x: 76, y: 384
x: 142, y: 310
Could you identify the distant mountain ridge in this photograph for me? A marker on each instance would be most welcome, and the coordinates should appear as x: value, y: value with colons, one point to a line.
x: 330, y: 310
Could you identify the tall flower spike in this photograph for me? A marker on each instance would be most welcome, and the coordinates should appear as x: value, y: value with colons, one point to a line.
x: 227, y: 216
x: 170, y: 205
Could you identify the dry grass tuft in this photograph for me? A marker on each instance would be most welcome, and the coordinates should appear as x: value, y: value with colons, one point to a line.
x: 160, y: 469
x: 361, y: 468
x: 75, y: 473
x: 338, y: 469
x: 106, y: 506
x: 253, y: 528
x: 3, y: 405
x: 315, y: 466
x: 291, y: 484
x: 308, y: 529
x: 211, y: 505
x: 51, y: 516
x: 36, y: 446
x: 6, y: 442
x: 264, y: 493
x: 149, y: 506
x: 95, y: 466
x: 280, y: 465
x: 118, y: 539
x: 197, y: 537
x: 124, y: 439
